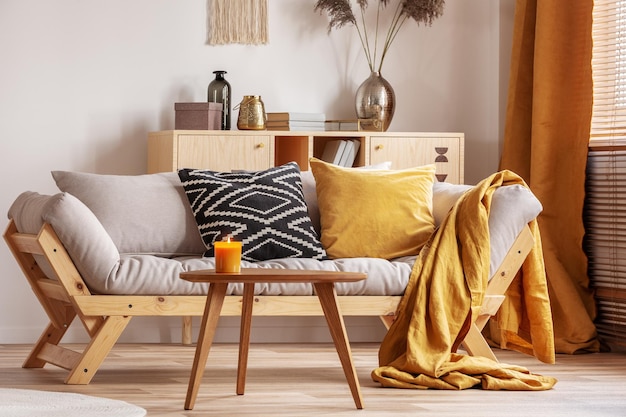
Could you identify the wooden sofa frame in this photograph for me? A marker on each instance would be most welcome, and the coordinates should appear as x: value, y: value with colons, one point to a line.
x: 106, y: 316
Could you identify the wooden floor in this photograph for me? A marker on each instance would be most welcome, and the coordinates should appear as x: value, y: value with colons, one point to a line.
x: 307, y: 380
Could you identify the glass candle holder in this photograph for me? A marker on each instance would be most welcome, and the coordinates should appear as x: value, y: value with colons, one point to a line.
x: 227, y: 256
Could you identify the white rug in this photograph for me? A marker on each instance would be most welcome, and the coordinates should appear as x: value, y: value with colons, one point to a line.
x: 29, y: 403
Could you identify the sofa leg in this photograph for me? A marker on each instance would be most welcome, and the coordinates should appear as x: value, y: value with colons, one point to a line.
x: 187, y: 339
x: 476, y: 345
x: 97, y: 350
x: 388, y: 320
x: 50, y: 336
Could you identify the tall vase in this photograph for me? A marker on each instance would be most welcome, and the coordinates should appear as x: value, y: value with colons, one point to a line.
x: 219, y: 92
x: 375, y: 101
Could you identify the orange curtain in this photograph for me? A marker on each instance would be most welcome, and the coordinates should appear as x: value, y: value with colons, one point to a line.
x: 545, y: 142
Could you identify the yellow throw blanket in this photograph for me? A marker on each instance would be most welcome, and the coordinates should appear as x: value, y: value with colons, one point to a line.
x: 444, y: 295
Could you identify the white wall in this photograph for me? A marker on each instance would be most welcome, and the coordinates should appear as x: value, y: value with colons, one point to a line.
x: 82, y: 82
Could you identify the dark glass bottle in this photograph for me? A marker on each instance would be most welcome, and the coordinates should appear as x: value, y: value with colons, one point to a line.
x: 219, y: 92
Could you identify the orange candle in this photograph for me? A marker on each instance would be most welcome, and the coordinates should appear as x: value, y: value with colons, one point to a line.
x: 227, y: 256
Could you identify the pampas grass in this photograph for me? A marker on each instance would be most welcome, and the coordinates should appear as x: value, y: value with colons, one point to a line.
x: 341, y: 14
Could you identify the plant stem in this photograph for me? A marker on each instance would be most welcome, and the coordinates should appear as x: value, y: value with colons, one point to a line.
x: 396, y: 23
x: 376, y: 38
x: 365, y: 43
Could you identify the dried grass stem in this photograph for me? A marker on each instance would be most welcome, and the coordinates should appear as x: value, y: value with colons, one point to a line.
x: 341, y: 13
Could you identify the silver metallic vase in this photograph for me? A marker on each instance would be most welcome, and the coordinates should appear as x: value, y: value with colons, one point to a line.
x: 375, y: 101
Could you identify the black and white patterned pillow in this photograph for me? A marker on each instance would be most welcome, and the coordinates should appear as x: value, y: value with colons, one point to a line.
x: 265, y: 210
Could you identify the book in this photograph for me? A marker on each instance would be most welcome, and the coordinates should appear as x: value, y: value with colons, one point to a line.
x: 333, y: 150
x: 292, y: 116
x: 295, y: 125
x: 345, y: 125
x: 296, y: 129
x: 349, y: 154
x: 354, y: 125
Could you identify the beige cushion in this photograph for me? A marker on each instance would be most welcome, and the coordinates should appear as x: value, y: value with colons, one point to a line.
x: 374, y: 213
x: 445, y: 195
x: 141, y: 213
x: 88, y: 244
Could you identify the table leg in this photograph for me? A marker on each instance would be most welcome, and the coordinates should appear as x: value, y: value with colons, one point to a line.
x: 328, y: 298
x: 244, y: 336
x: 214, y: 302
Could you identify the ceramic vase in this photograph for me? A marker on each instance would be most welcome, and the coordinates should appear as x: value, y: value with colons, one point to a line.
x: 375, y: 102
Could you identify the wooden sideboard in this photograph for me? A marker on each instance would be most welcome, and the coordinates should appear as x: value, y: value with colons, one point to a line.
x: 225, y: 150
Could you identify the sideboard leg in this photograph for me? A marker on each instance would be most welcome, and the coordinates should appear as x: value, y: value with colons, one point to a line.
x: 187, y: 339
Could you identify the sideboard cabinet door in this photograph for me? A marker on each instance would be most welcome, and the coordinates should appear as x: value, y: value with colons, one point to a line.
x: 407, y: 152
x: 173, y: 150
x: 224, y: 153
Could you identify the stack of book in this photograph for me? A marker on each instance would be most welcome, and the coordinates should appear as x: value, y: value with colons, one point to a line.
x: 341, y: 151
x: 296, y: 121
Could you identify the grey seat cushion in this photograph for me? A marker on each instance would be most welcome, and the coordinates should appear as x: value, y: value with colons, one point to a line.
x: 152, y: 275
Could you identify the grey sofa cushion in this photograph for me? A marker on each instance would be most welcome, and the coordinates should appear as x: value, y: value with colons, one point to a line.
x: 444, y: 197
x: 27, y: 213
x: 83, y: 236
x: 27, y: 210
x: 153, y: 275
x: 512, y: 207
x: 85, y: 239
x: 141, y: 213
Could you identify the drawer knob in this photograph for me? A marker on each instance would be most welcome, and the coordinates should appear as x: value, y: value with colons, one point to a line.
x: 260, y: 145
x: 379, y: 147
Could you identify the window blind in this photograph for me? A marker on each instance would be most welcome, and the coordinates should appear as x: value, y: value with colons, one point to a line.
x: 605, y: 202
x: 605, y: 240
x: 608, y: 125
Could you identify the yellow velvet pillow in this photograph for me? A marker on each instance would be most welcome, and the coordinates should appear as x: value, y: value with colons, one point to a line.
x: 374, y: 213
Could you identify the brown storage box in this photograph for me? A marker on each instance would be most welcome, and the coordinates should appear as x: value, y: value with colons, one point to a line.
x: 198, y: 116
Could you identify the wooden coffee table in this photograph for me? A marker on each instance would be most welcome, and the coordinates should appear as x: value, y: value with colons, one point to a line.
x: 324, y: 284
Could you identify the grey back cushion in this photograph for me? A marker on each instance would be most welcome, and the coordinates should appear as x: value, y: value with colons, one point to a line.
x: 143, y: 214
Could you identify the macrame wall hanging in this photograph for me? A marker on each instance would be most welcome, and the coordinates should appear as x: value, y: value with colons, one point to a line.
x: 238, y: 21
